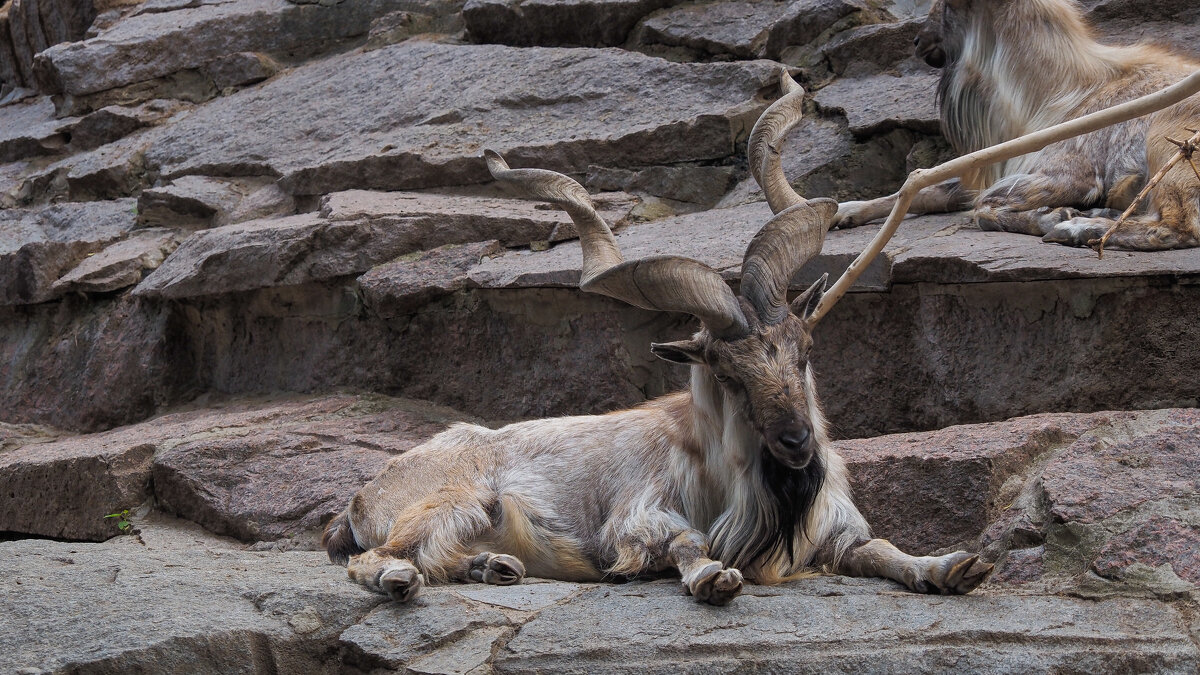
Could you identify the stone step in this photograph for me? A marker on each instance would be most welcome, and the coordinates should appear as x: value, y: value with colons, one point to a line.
x: 1098, y: 504
x: 185, y: 600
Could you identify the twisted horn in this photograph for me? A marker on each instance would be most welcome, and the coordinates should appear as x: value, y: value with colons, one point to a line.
x: 797, y: 231
x: 766, y: 140
x: 664, y: 283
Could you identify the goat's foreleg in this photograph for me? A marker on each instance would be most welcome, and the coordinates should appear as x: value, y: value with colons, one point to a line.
x: 959, y: 572
x: 941, y: 198
x: 1042, y: 203
x: 650, y: 540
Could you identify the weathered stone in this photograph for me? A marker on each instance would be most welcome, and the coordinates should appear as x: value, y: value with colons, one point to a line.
x: 555, y: 23
x: 38, y: 245
x: 702, y: 186
x: 239, y: 69
x: 395, y: 27
x: 806, y: 20
x: 790, y: 628
x: 404, y: 285
x: 1021, y: 566
x: 184, y: 601
x: 112, y: 171
x: 867, y: 50
x: 927, y: 491
x: 119, y: 265
x: 156, y: 45
x: 288, y: 472
x: 252, y: 469
x: 1101, y: 475
x: 425, y: 124
x: 438, y: 621
x: 1174, y: 23
x: 1157, y: 541
x: 878, y: 103
x: 738, y: 29
x: 30, y: 26
x: 433, y: 220
x: 196, y: 201
x: 29, y: 129
x: 90, y: 364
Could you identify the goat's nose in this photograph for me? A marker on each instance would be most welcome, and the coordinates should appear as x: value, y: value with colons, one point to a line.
x: 916, y: 40
x: 794, y: 439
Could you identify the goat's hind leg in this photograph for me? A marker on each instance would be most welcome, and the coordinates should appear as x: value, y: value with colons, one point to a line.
x: 941, y: 198
x: 953, y: 573
x: 429, y: 540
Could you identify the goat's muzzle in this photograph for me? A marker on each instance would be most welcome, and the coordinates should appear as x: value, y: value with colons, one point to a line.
x: 791, y: 443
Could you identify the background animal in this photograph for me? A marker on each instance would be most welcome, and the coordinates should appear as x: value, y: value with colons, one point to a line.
x: 734, y: 478
x: 1011, y: 67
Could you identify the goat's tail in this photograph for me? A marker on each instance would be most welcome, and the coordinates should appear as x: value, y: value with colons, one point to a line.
x: 339, y: 541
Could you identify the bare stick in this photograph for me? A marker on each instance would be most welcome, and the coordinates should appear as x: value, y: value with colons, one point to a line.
x: 923, y: 178
x: 1186, y: 148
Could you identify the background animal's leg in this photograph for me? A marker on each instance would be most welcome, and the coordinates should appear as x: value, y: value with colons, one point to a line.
x: 1037, y: 203
x: 428, y: 540
x: 705, y: 579
x: 1173, y: 221
x: 940, y: 198
x: 958, y: 572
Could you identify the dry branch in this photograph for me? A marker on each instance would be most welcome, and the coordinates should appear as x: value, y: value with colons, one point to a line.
x: 1186, y: 148
x: 923, y: 178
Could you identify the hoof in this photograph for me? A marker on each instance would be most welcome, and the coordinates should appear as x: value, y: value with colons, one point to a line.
x: 955, y: 574
x: 401, y: 582
x: 1076, y: 232
x: 714, y: 585
x: 497, y: 569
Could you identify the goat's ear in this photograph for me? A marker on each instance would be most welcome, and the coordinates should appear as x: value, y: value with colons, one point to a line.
x: 806, y: 303
x: 684, y: 351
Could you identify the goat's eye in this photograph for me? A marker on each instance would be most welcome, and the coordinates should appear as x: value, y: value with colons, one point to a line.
x: 720, y: 377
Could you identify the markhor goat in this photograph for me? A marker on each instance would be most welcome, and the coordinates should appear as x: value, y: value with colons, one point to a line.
x: 1011, y: 67
x: 734, y: 478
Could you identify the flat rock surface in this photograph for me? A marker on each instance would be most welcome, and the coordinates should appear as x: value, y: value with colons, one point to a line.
x: 555, y: 23
x: 29, y: 128
x: 416, y: 115
x: 876, y: 103
x: 186, y: 599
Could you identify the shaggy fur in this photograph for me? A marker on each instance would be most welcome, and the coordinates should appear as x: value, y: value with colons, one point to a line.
x: 694, y: 481
x: 1011, y: 67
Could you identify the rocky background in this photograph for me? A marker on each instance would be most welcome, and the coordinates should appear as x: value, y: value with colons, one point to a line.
x: 248, y: 251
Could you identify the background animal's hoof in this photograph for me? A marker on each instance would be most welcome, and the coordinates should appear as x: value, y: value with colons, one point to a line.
x: 498, y: 569
x: 958, y: 573
x: 849, y: 214
x: 1075, y: 232
x: 716, y: 586
x: 401, y: 582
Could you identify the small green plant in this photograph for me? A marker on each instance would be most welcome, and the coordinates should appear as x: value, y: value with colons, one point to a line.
x: 124, y: 522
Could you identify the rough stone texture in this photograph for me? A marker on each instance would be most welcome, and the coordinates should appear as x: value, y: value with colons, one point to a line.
x: 1173, y: 23
x: 197, y: 201
x: 37, y: 246
x: 289, y: 470
x: 696, y: 186
x: 30, y: 26
x: 172, y: 599
x: 29, y: 129
x: 427, y: 123
x: 738, y: 29
x: 186, y: 600
x: 119, y: 265
x: 927, y: 491
x: 239, y: 69
x: 878, y: 103
x: 1104, y: 474
x: 877, y: 47
x: 791, y: 629
x: 805, y: 20
x: 91, y: 363
x: 1157, y: 541
x: 433, y: 220
x: 257, y: 470
x: 555, y: 23
x: 408, y: 283
x: 156, y: 45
